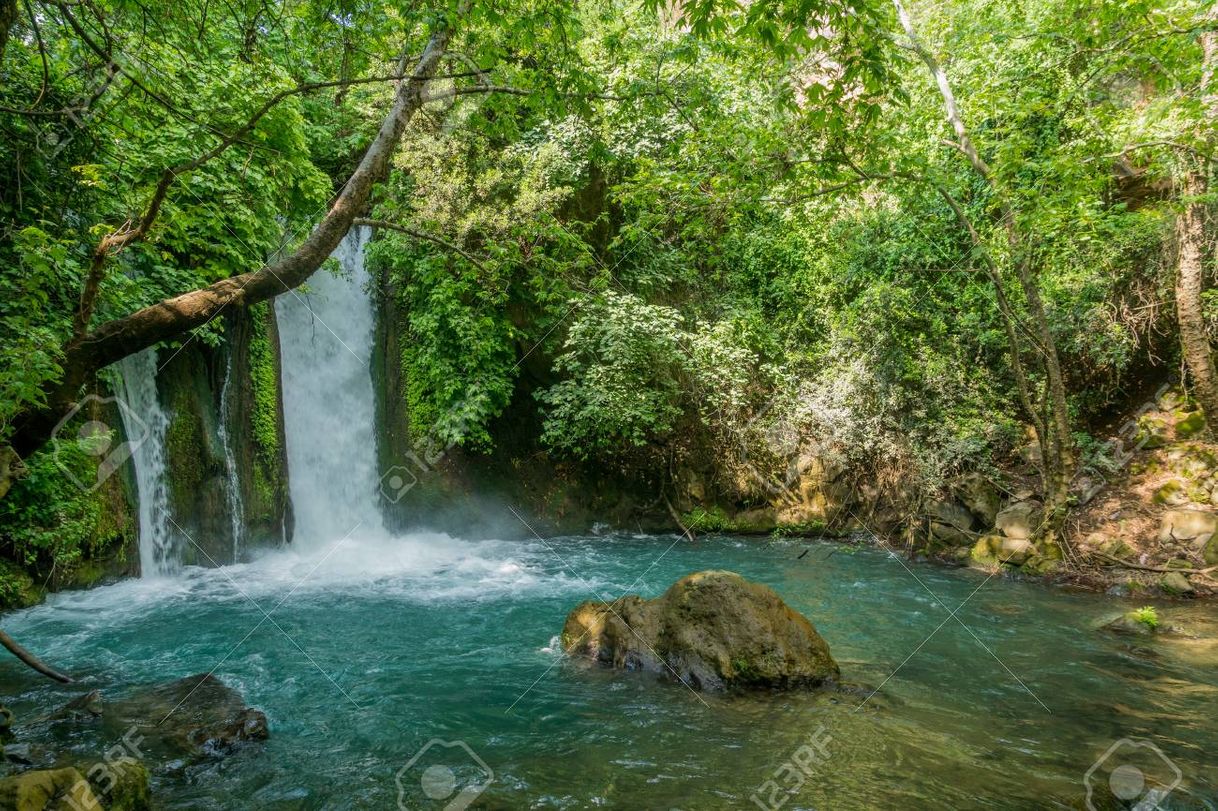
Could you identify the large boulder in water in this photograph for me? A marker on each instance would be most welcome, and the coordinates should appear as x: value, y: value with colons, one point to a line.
x: 712, y: 630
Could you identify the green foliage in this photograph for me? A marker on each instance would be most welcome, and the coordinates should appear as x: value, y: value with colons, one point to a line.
x: 702, y: 520
x: 48, y: 522
x: 264, y: 378
x: 1146, y: 615
x: 714, y: 233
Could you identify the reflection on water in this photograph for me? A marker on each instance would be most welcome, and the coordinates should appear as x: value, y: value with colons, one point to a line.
x: 379, y: 646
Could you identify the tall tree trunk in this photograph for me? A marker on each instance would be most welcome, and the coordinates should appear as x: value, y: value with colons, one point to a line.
x: 8, y: 16
x: 1190, y: 235
x: 174, y: 317
x: 1053, y: 430
x: 1190, y: 273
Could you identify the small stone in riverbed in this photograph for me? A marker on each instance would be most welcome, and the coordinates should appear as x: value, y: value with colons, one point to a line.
x: 1176, y: 583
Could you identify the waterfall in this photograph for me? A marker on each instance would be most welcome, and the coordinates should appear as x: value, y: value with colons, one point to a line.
x: 326, y: 336
x: 145, y: 423
x: 235, y: 509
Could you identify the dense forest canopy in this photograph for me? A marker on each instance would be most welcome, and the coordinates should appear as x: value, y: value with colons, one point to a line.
x: 911, y: 233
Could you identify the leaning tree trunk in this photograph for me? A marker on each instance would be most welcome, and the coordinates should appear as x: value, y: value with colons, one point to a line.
x: 174, y: 317
x: 1191, y: 240
x: 30, y: 659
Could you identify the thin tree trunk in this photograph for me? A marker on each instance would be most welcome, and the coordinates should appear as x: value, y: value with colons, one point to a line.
x: 1190, y: 235
x: 174, y: 317
x: 1053, y: 432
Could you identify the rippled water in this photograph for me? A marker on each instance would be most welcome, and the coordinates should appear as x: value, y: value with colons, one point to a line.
x: 376, y: 647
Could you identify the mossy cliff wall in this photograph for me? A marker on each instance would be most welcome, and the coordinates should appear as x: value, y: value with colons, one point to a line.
x: 61, y: 525
x: 192, y: 386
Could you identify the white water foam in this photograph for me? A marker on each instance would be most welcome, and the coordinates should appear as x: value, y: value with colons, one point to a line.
x: 236, y: 509
x: 325, y: 337
x: 145, y: 423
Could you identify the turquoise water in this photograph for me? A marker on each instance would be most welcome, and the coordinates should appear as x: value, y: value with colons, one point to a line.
x: 375, y: 648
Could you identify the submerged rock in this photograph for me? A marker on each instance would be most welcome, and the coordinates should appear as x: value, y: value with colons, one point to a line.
x: 198, y: 714
x: 83, y: 707
x: 712, y: 630
x: 121, y: 784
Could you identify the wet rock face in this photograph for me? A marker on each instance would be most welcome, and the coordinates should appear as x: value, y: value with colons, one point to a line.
x: 47, y: 790
x: 712, y: 630
x: 195, y: 715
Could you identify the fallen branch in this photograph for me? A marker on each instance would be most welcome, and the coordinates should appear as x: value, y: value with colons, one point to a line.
x: 1164, y: 569
x: 423, y: 235
x: 686, y: 530
x: 32, y: 660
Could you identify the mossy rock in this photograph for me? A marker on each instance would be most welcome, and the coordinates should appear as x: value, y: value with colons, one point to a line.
x: 17, y: 588
x: 1040, y: 565
x: 715, y: 519
x: 756, y: 521
x: 1152, y: 432
x: 1118, y: 548
x: 48, y: 790
x: 1132, y: 623
x: 712, y: 630
x: 1189, y: 425
x: 122, y: 783
x: 1176, y: 584
x: 983, y: 551
x: 1210, y: 552
x: 88, y: 573
x: 995, y: 549
x: 1173, y: 493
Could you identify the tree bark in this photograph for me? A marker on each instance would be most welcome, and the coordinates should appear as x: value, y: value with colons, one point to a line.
x: 176, y: 316
x: 33, y: 661
x: 1190, y: 274
x: 8, y: 16
x: 1191, y: 242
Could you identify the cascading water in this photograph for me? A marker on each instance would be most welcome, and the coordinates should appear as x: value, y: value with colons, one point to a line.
x: 235, y: 508
x: 145, y: 423
x: 326, y: 336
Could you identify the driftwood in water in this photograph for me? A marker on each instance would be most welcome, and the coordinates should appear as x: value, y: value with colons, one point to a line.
x: 32, y: 660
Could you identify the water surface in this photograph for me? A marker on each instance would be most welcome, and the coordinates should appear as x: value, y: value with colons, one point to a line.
x: 376, y: 646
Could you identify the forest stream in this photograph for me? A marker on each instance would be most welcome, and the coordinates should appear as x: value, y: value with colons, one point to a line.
x: 379, y: 646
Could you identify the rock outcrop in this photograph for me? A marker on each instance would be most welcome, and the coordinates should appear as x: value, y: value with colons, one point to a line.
x: 712, y: 630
